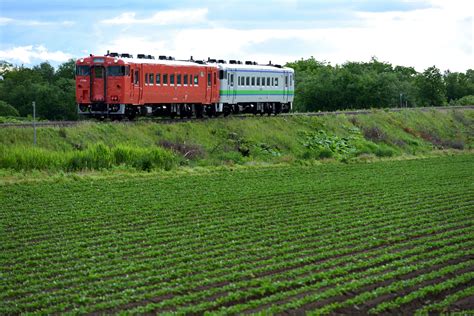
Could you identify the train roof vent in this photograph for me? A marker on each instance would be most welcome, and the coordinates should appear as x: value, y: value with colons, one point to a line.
x: 150, y: 57
x: 201, y: 62
x: 278, y: 66
x: 255, y: 63
x: 170, y: 58
x: 141, y: 56
x: 113, y: 54
x: 162, y: 57
x: 221, y: 61
x: 248, y: 62
x: 126, y: 55
x: 211, y: 60
x: 239, y: 62
x: 232, y: 62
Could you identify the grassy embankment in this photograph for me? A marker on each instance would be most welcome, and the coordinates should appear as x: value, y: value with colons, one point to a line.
x: 290, y: 140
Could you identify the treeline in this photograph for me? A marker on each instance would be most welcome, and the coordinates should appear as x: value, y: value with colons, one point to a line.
x: 319, y: 86
x: 375, y: 84
x: 52, y: 89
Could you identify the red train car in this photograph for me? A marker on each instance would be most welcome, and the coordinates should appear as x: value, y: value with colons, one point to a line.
x: 116, y: 86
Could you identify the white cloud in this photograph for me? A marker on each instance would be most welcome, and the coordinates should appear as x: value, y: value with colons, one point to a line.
x: 27, y: 54
x: 168, y: 17
x: 19, y: 22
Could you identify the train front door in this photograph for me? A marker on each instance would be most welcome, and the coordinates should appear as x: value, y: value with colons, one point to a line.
x: 98, y: 84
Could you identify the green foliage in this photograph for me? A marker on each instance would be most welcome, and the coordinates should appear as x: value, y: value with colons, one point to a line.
x: 432, y: 90
x: 385, y: 238
x: 327, y: 146
x: 466, y: 100
x: 7, y: 110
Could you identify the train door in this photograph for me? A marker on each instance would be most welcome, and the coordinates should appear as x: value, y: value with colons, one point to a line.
x: 136, y: 90
x: 215, y: 86
x: 232, y: 86
x: 208, y: 84
x: 286, y: 87
x: 98, y: 84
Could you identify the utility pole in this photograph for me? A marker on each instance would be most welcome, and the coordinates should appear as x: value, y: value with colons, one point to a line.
x: 34, y: 123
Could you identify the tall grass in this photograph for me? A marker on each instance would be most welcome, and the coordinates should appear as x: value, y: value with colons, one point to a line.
x: 94, y: 157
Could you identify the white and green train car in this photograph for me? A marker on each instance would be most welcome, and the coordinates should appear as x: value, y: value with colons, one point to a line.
x: 259, y: 89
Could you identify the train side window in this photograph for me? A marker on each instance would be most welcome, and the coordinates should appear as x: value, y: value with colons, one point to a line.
x: 158, y: 79
x: 276, y: 82
x: 221, y: 74
x: 196, y: 80
x: 258, y: 81
x: 263, y: 81
x: 172, y: 80
x: 165, y: 79
x: 209, y: 79
x: 178, y: 79
x: 268, y: 81
x: 185, y: 80
x: 146, y: 79
x: 286, y: 81
x: 247, y: 81
x: 253, y: 81
x: 273, y: 81
x: 137, y: 78
x: 152, y: 79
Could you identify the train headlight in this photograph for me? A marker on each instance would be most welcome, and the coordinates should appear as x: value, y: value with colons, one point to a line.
x: 81, y: 60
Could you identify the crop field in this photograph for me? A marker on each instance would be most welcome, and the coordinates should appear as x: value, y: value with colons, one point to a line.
x: 383, y: 237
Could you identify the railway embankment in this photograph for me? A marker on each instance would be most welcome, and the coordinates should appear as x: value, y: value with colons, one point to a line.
x: 233, y: 141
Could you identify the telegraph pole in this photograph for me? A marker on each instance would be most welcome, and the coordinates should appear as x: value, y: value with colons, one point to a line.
x: 34, y: 123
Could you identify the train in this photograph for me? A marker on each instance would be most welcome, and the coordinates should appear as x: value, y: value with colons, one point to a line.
x: 118, y: 86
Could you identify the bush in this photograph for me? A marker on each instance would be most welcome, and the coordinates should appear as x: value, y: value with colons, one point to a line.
x: 466, y: 100
x: 7, y: 110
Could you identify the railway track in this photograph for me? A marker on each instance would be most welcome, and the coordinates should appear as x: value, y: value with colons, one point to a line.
x: 171, y: 121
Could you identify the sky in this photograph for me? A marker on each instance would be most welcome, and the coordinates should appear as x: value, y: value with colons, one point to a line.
x: 417, y: 33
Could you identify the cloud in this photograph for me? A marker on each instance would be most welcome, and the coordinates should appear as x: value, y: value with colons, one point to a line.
x: 168, y: 17
x: 29, y: 53
x: 19, y: 22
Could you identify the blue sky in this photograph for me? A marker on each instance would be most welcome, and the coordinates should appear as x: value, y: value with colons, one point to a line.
x: 418, y: 33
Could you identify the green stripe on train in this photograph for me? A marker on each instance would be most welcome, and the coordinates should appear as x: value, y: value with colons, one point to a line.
x: 255, y: 92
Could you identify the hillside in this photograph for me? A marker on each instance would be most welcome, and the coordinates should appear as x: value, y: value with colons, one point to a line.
x: 235, y: 141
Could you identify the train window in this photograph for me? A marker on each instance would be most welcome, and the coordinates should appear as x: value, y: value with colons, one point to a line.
x: 196, y: 80
x: 286, y: 81
x: 253, y: 81
x: 291, y: 79
x: 165, y: 79
x: 221, y: 74
x: 127, y: 71
x: 152, y: 79
x: 268, y: 81
x: 247, y: 81
x: 273, y: 81
x: 83, y: 70
x: 209, y: 79
x: 136, y: 79
x: 215, y: 78
x: 172, y: 80
x: 178, y: 80
x: 185, y: 80
x: 263, y: 81
x: 276, y: 82
x: 158, y: 79
x: 258, y: 81
x: 232, y: 80
x: 98, y: 72
x: 116, y: 71
x: 146, y: 78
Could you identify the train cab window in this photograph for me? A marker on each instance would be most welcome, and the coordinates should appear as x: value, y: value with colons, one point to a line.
x: 209, y: 79
x: 98, y: 72
x: 83, y: 71
x: 185, y: 80
x: 117, y: 71
x: 165, y: 79
x: 172, y: 80
x: 268, y: 81
x: 253, y: 81
x: 178, y: 79
x: 152, y: 79
x: 247, y: 81
x: 196, y: 80
x: 146, y: 79
x: 158, y: 79
x: 136, y: 79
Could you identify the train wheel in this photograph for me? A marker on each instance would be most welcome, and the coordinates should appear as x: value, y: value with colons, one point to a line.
x: 199, y: 110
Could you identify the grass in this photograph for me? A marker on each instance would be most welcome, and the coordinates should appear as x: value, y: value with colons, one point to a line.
x: 390, y: 236
x: 235, y: 141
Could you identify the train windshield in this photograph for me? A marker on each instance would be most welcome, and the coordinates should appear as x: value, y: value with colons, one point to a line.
x: 118, y: 71
x: 83, y: 70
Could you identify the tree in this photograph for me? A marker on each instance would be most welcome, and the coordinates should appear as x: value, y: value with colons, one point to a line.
x: 431, y: 88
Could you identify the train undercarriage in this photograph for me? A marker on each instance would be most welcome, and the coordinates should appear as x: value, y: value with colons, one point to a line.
x: 120, y: 111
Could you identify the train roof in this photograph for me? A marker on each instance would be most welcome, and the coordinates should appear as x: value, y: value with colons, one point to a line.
x: 243, y: 67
